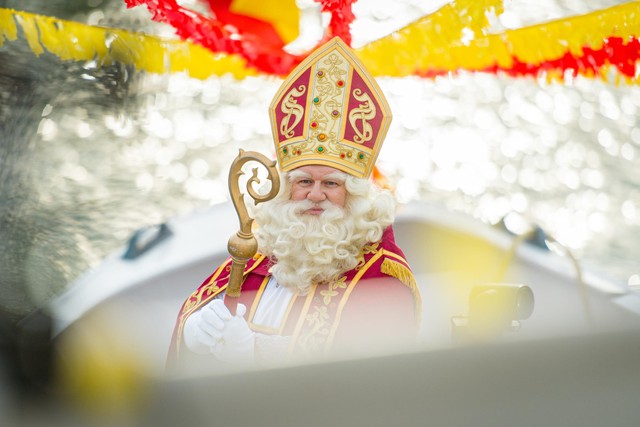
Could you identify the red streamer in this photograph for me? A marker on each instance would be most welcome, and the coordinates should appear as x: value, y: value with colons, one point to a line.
x: 256, y: 47
x: 341, y: 18
x: 615, y: 51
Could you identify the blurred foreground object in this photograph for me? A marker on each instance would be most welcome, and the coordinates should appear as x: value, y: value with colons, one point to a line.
x: 494, y: 310
x: 571, y: 381
x: 27, y: 354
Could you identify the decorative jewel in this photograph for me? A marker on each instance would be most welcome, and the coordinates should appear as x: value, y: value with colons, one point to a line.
x: 361, y: 156
x: 335, y: 113
x: 284, y: 150
x: 314, y: 125
x: 320, y: 73
x: 322, y: 137
x: 320, y: 149
x: 316, y: 100
x: 349, y: 155
x: 342, y: 155
x: 340, y: 83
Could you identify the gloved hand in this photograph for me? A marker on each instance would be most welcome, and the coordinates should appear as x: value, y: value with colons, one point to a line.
x: 213, y: 329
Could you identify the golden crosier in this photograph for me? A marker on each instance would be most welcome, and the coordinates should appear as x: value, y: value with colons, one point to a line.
x: 243, y: 245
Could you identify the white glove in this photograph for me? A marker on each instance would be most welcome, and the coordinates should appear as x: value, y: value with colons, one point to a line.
x: 213, y: 329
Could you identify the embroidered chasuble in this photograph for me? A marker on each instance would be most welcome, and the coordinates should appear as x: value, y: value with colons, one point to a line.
x: 378, y: 301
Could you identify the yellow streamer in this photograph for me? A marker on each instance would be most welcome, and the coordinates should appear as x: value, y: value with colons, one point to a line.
x: 433, y: 43
x: 28, y: 25
x: 282, y: 14
x: 429, y: 36
x: 8, y: 29
x: 72, y: 41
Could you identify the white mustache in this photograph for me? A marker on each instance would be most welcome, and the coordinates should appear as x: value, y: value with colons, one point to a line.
x: 301, y: 206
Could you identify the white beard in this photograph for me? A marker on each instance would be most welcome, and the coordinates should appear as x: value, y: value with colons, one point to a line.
x: 308, y: 249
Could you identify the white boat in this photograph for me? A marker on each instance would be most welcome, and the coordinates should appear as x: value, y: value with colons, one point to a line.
x: 459, y: 262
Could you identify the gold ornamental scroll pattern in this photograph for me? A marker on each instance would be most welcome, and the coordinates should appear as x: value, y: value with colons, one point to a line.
x: 327, y: 104
x: 292, y: 110
x: 243, y: 245
x: 360, y: 117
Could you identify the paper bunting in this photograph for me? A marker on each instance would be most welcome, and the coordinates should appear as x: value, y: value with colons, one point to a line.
x: 602, y: 44
x: 72, y: 41
x: 256, y: 46
x: 588, y: 45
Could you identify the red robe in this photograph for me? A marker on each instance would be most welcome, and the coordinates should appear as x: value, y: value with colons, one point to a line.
x: 378, y: 301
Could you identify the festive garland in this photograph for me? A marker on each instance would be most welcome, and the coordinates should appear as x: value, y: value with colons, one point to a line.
x: 589, y: 45
x: 72, y: 41
x: 218, y: 37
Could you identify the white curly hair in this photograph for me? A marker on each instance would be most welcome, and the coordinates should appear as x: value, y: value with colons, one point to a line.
x: 310, y: 249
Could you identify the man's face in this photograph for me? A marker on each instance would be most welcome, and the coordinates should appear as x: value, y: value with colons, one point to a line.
x: 318, y: 184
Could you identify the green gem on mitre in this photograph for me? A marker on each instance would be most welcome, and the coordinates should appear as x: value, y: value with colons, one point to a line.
x: 316, y: 100
x: 361, y: 156
x: 320, y: 149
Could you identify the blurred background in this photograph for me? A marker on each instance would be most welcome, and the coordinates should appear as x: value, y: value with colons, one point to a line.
x: 90, y: 154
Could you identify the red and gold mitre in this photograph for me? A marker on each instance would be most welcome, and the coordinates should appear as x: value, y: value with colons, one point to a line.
x: 329, y: 111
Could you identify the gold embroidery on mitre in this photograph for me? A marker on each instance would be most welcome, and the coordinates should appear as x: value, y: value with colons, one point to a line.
x: 290, y: 107
x: 366, y: 111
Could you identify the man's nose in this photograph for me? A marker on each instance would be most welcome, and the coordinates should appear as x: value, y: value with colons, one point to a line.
x: 316, y: 194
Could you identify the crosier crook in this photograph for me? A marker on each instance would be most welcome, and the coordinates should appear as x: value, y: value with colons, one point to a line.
x: 243, y: 245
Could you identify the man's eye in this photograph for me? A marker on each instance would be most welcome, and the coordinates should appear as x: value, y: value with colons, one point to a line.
x: 331, y: 183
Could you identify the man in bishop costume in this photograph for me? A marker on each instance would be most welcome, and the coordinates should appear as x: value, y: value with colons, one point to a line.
x: 328, y: 278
